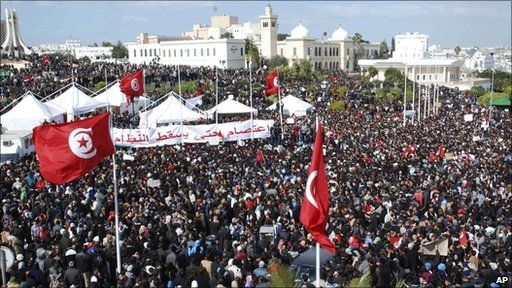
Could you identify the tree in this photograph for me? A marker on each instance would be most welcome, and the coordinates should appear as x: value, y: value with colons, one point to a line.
x: 282, y: 36
x: 278, y: 60
x: 456, y: 50
x: 372, y: 71
x: 119, y: 51
x: 251, y: 50
x: 383, y: 50
x: 106, y: 44
x: 392, y: 44
x: 393, y: 76
x: 226, y: 35
x: 359, y: 53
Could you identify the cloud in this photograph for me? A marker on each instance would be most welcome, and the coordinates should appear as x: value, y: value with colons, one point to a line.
x: 127, y: 18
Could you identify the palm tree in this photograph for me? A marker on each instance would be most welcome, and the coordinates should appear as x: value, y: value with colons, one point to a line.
x: 252, y: 50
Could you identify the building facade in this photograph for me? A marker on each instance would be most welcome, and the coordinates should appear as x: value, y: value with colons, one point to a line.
x: 223, y: 53
x: 223, y: 21
x: 268, y: 42
x: 411, y: 56
x: 93, y: 53
x: 336, y: 53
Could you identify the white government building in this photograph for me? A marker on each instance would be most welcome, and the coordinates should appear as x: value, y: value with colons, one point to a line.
x: 207, y: 49
x: 411, y: 52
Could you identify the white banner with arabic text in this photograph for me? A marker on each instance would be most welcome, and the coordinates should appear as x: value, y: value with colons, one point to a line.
x: 172, y: 134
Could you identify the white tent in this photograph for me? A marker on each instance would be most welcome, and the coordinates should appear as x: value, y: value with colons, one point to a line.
x: 293, y: 106
x: 114, y: 97
x: 75, y: 102
x: 29, y: 113
x: 169, y: 111
x: 230, y: 106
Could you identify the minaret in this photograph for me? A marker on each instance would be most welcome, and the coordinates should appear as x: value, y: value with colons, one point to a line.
x: 268, y: 24
x: 13, y: 45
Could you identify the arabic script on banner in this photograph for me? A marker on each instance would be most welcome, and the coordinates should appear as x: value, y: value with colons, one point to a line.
x: 174, y: 134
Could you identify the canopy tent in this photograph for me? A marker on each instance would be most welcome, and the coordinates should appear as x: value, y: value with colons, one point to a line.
x: 501, y: 101
x: 29, y: 113
x: 114, y: 97
x: 75, y: 102
x: 293, y: 106
x: 230, y: 106
x: 171, y: 110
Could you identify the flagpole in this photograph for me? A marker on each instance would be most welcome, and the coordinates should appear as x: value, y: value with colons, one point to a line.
x: 116, y: 203
x: 181, y: 106
x: 250, y: 93
x: 405, y: 92
x: 317, y: 252
x: 428, y: 111
x: 216, y: 92
x: 419, y: 103
x: 145, y: 102
x: 73, y: 85
x: 106, y: 92
x: 425, y: 96
x: 413, y: 91
x: 280, y: 105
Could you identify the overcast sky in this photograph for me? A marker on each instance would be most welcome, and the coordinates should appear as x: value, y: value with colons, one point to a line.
x: 463, y: 23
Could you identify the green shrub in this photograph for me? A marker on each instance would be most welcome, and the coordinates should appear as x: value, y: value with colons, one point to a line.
x: 99, y: 85
x: 337, y: 106
x: 486, y: 98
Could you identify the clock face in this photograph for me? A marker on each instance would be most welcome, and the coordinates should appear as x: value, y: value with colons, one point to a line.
x: 9, y: 256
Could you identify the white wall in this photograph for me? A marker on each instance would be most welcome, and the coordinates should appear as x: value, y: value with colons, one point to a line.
x: 193, y: 53
x: 411, y: 46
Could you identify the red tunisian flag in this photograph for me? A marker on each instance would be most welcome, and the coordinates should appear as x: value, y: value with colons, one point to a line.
x: 463, y: 238
x: 315, y: 204
x: 69, y: 150
x: 132, y: 85
x: 272, y: 83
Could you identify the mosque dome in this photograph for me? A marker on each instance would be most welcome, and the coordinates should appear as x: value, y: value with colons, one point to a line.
x: 300, y: 31
x: 339, y: 34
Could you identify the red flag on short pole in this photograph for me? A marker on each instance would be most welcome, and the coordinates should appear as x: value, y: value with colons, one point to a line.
x: 132, y: 85
x: 68, y: 151
x: 409, y: 151
x: 259, y: 157
x: 315, y: 204
x: 272, y: 83
x: 441, y: 152
x: 46, y: 59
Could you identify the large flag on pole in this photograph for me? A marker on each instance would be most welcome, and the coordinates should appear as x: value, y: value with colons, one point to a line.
x: 272, y: 83
x: 132, y: 85
x: 315, y: 204
x: 67, y: 151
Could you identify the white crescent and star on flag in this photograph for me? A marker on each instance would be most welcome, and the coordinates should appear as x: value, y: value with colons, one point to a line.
x: 276, y: 81
x: 311, y: 188
x: 80, y: 143
x: 135, y: 84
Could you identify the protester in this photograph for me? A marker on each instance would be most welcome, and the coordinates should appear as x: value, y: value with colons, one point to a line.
x: 199, y: 227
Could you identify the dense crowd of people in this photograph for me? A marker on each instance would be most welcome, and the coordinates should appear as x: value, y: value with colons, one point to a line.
x: 190, y: 215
